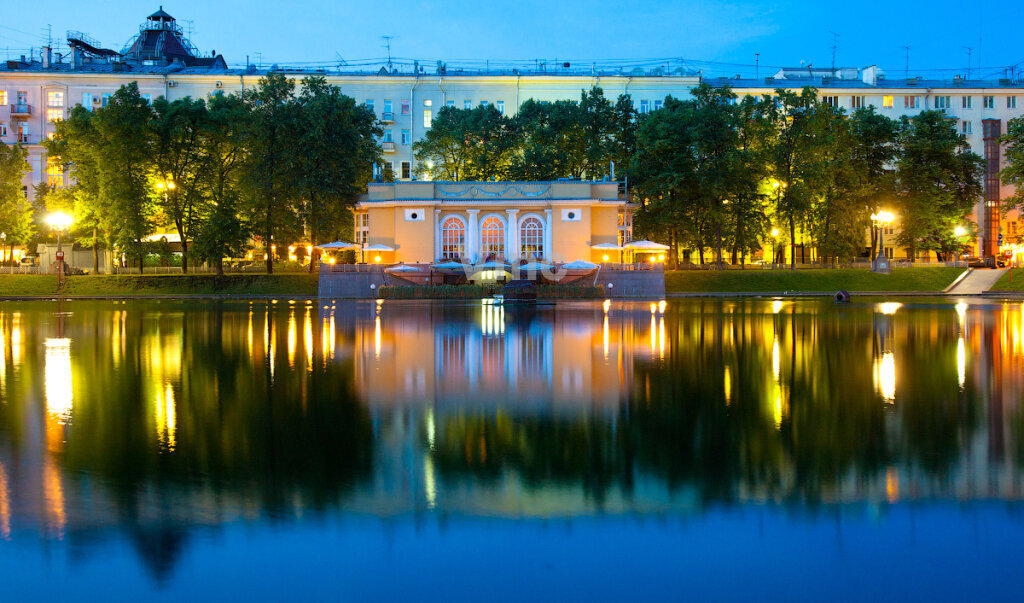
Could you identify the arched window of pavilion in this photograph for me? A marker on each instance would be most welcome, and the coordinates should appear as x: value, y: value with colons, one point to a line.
x: 453, y: 238
x: 531, y: 237
x: 492, y: 237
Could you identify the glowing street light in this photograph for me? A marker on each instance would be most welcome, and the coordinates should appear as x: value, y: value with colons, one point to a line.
x: 59, y: 221
x: 959, y: 231
x: 775, y: 242
x: 881, y: 220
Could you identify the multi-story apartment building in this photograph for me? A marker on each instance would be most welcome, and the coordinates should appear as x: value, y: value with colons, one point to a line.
x: 39, y: 89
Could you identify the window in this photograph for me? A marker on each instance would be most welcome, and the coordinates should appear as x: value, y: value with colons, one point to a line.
x: 942, y: 102
x: 857, y: 102
x: 428, y: 102
x: 54, y: 98
x: 657, y: 104
x: 831, y: 101
x: 989, y: 102
x: 501, y: 106
x: 362, y: 228
x: 449, y: 103
x: 53, y: 115
x: 645, y: 106
x: 467, y: 104
x: 428, y: 118
x: 54, y: 172
x: 531, y: 238
x: 3, y: 130
x: 967, y: 102
x: 453, y: 238
x: 148, y: 98
x: 405, y: 106
x: 369, y: 104
x: 406, y: 170
x: 87, y: 100
x: 22, y: 97
x: 1011, y: 102
x: 492, y: 237
x: 106, y: 100
x: 911, y: 102
x: 887, y: 102
x: 405, y: 136
x: 389, y: 136
x: 965, y: 127
x: 483, y: 103
x: 22, y: 132
x: 3, y: 97
x: 387, y: 106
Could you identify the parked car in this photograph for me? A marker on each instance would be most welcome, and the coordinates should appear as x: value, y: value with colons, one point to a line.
x: 29, y: 260
x: 976, y: 262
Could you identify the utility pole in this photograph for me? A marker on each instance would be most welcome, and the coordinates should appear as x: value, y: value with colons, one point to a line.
x: 906, y: 69
x: 757, y: 65
x: 835, y: 48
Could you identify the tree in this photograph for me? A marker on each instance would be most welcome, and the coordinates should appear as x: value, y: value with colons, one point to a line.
x: 15, y: 210
x: 272, y: 151
x: 223, y: 231
x: 178, y: 130
x: 1013, y: 173
x: 938, y: 182
x: 467, y: 144
x: 746, y: 218
x: 339, y: 146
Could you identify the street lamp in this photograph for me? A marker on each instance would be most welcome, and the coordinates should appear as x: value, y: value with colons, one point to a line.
x: 881, y: 220
x: 775, y: 243
x: 3, y: 247
x: 59, y: 221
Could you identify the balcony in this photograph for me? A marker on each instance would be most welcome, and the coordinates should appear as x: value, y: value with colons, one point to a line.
x: 388, y: 147
x: 387, y: 117
x: 21, y: 109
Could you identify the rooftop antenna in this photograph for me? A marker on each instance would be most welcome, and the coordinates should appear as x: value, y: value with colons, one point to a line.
x: 757, y: 65
x: 968, y: 61
x: 259, y: 60
x: 835, y: 47
x: 387, y: 44
x: 906, y: 68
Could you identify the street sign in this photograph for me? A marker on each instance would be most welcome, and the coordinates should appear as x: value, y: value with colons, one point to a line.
x: 60, y: 255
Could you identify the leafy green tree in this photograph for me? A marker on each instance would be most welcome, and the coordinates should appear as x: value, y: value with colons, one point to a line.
x: 1013, y: 173
x: 178, y: 131
x: 938, y: 182
x: 338, y: 138
x: 467, y: 144
x: 271, y: 152
x: 15, y: 211
x: 746, y: 217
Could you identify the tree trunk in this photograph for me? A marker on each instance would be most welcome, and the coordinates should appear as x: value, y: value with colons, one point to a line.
x: 220, y: 266
x: 184, y: 255
x: 792, y: 243
x: 718, y: 243
x: 312, y: 252
x: 95, y: 253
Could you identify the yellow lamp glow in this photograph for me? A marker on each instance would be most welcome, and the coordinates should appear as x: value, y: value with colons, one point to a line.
x: 604, y: 258
x: 775, y: 232
x: 376, y: 258
x: 960, y: 231
x: 59, y: 220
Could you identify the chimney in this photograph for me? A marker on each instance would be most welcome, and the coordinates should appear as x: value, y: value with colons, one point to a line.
x: 870, y: 75
x: 47, y: 57
x: 77, y: 58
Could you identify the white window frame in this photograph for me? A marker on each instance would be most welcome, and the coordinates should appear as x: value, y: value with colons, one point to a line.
x: 453, y: 240
x: 531, y: 242
x: 492, y: 240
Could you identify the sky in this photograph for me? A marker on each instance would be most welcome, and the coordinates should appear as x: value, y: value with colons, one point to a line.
x: 719, y: 37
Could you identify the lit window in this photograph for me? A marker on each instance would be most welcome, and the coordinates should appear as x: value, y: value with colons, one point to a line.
x: 501, y: 107
x: 362, y: 228
x: 492, y: 237
x: 405, y: 136
x: 887, y: 102
x: 967, y: 101
x: 54, y: 115
x: 989, y: 102
x: 531, y: 238
x: 54, y: 99
x: 428, y: 102
x: 405, y: 106
x: 54, y: 172
x: 453, y: 238
x: 428, y: 118
x: 1011, y: 102
x: 467, y: 104
x: 857, y: 102
x: 3, y: 97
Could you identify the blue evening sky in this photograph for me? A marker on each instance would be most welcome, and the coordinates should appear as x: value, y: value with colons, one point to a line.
x: 577, y: 30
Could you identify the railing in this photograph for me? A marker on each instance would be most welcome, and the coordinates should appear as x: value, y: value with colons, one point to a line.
x: 21, y: 109
x: 354, y: 267
x: 387, y: 116
x: 388, y: 147
x: 634, y: 266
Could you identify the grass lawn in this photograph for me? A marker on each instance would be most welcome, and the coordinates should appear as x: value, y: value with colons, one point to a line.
x: 851, y: 279
x: 27, y: 284
x: 191, y: 284
x: 1004, y: 283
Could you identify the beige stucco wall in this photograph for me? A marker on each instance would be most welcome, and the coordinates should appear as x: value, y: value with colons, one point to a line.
x: 414, y: 239
x: 570, y: 240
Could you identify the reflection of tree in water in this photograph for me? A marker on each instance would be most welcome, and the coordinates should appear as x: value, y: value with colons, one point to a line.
x: 246, y: 442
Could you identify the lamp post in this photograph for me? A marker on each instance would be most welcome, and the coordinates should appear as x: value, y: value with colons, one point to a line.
x: 959, y: 232
x: 59, y: 221
x: 880, y: 220
x: 775, y: 245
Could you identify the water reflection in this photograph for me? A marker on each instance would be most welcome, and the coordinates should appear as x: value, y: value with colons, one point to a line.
x: 151, y: 420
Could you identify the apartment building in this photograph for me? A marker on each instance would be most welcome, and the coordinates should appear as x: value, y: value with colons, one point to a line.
x: 36, y: 90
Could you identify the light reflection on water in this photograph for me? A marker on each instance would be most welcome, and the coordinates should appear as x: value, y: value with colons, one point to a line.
x: 152, y: 420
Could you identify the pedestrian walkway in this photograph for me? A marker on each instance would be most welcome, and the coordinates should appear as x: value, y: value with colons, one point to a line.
x: 978, y: 281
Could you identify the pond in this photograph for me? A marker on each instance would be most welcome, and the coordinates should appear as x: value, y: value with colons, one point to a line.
x: 720, y: 449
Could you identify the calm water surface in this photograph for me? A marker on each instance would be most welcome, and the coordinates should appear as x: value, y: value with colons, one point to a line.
x: 456, y: 451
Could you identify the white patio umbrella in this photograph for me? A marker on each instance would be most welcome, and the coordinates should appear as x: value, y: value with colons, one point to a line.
x: 379, y: 247
x: 339, y: 245
x: 449, y: 265
x: 646, y: 246
x: 580, y: 265
x: 493, y: 265
x: 534, y: 267
x: 608, y: 246
x: 402, y: 268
